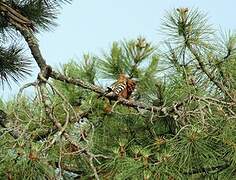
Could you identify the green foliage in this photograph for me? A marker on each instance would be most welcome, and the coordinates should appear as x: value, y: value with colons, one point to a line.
x: 41, y: 14
x: 135, y: 58
x: 128, y: 57
x: 86, y: 71
x: 193, y: 137
x: 13, y: 64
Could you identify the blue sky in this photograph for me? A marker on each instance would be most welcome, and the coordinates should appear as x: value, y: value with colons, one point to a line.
x: 92, y: 25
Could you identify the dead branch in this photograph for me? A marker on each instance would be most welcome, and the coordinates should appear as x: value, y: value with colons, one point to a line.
x: 49, y: 113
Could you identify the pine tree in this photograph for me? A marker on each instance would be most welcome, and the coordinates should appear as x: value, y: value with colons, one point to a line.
x: 17, y: 15
x: 179, y: 123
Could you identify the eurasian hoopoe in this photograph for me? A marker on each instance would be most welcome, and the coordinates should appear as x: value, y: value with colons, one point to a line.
x: 123, y: 87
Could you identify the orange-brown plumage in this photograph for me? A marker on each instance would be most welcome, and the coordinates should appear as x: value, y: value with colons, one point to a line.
x: 123, y: 87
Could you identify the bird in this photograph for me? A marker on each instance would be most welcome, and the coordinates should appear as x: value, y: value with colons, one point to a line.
x: 122, y: 88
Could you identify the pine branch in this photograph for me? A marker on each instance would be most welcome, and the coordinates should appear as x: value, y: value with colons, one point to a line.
x: 34, y: 46
x: 14, y: 17
x: 35, y: 51
x: 129, y: 103
x: 99, y: 90
x: 53, y: 130
x: 78, y: 82
x: 37, y: 14
x: 209, y: 75
x: 62, y: 129
x: 201, y: 63
x: 190, y: 29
